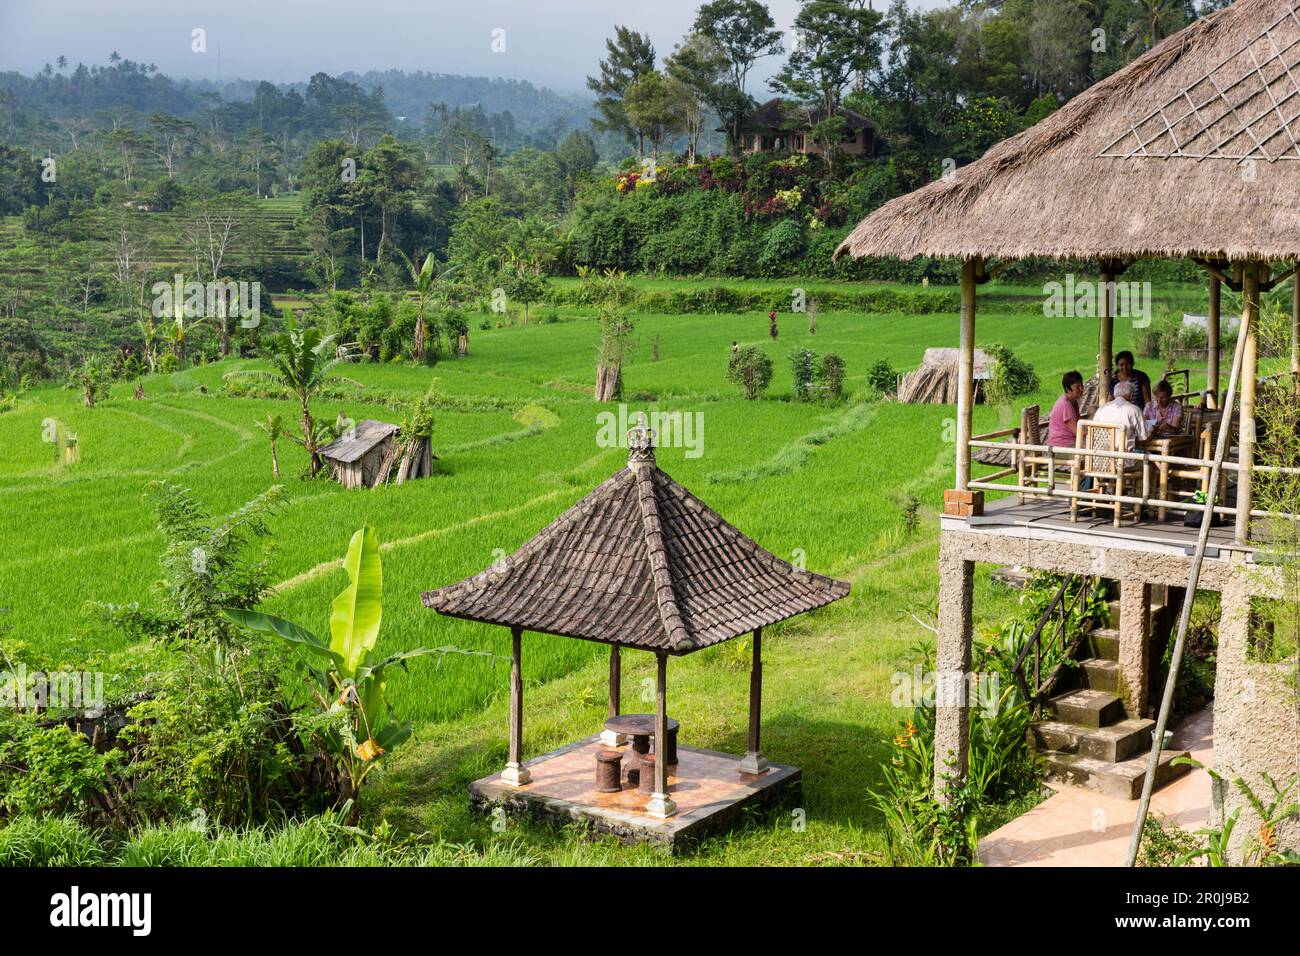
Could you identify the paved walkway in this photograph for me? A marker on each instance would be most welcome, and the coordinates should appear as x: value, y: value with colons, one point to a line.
x: 1077, y: 827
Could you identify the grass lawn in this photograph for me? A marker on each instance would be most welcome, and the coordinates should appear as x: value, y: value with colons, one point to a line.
x: 518, y: 445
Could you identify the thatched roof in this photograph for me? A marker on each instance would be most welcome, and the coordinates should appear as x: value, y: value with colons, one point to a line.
x: 640, y: 562
x: 1189, y: 151
x: 358, y: 441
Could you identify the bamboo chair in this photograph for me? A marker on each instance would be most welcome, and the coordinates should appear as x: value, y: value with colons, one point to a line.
x: 1189, y: 479
x: 1094, y: 436
x: 1034, y: 468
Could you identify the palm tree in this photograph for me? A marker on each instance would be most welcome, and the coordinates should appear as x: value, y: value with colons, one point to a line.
x: 425, y: 281
x: 302, y: 360
x: 274, y: 429
x: 1157, y: 20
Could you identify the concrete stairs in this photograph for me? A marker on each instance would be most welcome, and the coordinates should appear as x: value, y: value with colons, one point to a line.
x: 1089, y: 741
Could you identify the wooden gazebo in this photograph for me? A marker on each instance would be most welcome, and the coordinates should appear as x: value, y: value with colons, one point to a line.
x: 639, y: 563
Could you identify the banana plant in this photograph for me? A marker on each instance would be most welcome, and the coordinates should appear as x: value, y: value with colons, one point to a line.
x: 347, y: 673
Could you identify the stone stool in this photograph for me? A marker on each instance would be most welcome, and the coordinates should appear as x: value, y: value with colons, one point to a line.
x: 609, y: 764
x: 640, y: 749
x: 647, y: 782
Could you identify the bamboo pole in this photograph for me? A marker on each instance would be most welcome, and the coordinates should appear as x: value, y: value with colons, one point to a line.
x: 1106, y: 338
x: 1193, y: 580
x: 1249, y: 369
x: 1212, y: 334
x: 966, y: 372
x: 1295, y: 321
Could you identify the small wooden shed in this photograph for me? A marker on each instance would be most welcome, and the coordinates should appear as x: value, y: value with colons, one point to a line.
x: 363, y: 456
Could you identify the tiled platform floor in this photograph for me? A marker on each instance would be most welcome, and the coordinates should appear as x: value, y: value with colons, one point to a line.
x: 707, y: 786
x: 1077, y: 827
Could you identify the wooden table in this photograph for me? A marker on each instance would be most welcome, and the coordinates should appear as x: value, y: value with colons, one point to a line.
x: 1173, y: 445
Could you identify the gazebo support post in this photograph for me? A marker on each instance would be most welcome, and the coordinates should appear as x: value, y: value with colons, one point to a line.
x: 754, y: 761
x: 608, y: 737
x: 661, y: 805
x: 1212, y: 335
x: 966, y: 372
x: 1106, y: 337
x: 1295, y: 321
x: 516, y: 774
x: 1249, y: 369
x: 961, y: 501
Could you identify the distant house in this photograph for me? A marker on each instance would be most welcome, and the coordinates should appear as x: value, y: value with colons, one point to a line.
x: 781, y: 126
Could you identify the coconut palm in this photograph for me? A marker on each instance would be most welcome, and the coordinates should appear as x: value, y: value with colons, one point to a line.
x: 302, y: 360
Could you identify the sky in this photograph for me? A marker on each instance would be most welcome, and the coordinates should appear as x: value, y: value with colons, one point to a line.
x: 554, y: 43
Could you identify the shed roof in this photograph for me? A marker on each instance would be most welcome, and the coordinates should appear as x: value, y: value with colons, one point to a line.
x: 640, y: 562
x: 1191, y: 150
x: 358, y: 441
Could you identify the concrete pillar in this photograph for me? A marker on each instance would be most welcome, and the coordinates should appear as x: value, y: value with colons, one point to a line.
x: 1134, y: 646
x: 952, y: 718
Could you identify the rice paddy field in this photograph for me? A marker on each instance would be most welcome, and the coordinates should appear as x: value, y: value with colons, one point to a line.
x: 518, y: 444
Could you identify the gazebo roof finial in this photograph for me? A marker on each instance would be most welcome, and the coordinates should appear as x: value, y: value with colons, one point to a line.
x: 640, y: 444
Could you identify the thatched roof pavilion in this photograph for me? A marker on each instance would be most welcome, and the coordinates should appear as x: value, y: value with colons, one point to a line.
x: 1148, y: 163
x: 1190, y: 151
x: 639, y: 563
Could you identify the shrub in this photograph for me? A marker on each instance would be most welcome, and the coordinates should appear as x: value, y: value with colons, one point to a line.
x: 830, y: 377
x: 751, y: 369
x: 882, y: 377
x: 803, y: 362
x: 1011, y: 376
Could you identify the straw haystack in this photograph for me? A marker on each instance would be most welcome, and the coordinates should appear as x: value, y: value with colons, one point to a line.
x: 935, y: 382
x: 1188, y: 151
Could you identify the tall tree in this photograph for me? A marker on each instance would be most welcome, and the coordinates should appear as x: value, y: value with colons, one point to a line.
x: 630, y: 54
x: 744, y: 31
x: 654, y: 108
x: 697, y: 64
x: 836, y: 42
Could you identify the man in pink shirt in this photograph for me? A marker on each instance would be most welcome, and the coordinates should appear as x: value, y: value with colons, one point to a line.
x: 1061, y: 429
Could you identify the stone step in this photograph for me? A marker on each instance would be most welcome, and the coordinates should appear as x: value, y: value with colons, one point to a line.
x: 1122, y: 779
x: 1119, y: 741
x: 1099, y: 673
x: 1087, y: 708
x: 1103, y: 643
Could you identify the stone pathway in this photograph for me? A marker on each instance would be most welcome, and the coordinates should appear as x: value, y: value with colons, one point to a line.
x: 1076, y: 827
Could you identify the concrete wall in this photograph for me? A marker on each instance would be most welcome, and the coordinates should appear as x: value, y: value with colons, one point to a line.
x: 1257, y: 706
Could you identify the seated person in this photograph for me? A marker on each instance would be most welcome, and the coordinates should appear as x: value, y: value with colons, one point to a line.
x: 1061, y: 429
x: 1122, y: 410
x: 1163, y: 414
x: 1063, y: 424
x: 1125, y: 372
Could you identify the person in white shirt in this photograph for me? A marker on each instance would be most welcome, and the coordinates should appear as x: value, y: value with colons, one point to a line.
x: 1120, y: 410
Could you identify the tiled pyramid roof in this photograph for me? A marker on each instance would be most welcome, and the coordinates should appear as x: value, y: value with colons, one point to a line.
x: 640, y: 562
